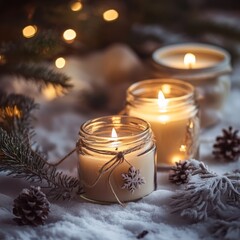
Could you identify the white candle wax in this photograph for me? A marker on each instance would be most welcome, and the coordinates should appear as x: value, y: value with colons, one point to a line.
x: 206, y: 56
x: 169, y: 131
x: 142, y: 159
x: 173, y: 118
x: 209, y: 74
x: 89, y: 171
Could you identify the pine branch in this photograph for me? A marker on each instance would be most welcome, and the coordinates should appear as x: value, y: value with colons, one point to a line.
x: 19, y: 160
x: 44, y: 45
x: 15, y: 114
x: 208, y: 195
x: 226, y: 229
x: 39, y: 74
x: 23, y: 58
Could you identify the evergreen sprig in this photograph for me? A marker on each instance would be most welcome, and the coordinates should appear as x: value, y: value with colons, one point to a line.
x: 19, y: 159
x: 38, y: 74
x: 29, y: 58
x: 226, y: 229
x: 16, y: 113
x: 44, y: 45
x: 208, y: 195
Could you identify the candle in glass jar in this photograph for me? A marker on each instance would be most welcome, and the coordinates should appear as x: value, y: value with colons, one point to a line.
x: 170, y: 108
x: 205, y: 66
x: 103, y: 140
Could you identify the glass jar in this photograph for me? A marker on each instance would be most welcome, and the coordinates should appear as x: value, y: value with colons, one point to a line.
x: 209, y: 74
x: 170, y: 106
x: 117, y: 159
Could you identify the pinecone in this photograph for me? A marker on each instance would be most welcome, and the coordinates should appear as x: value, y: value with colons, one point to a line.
x: 227, y: 147
x: 31, y: 207
x: 179, y: 174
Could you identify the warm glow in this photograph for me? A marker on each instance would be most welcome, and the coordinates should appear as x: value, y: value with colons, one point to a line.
x: 116, y: 120
x: 163, y: 119
x: 76, y: 6
x: 10, y: 111
x: 69, y: 35
x: 166, y: 88
x: 29, y: 31
x: 114, y: 133
x: 2, y: 59
x: 60, y: 62
x: 176, y: 158
x: 162, y: 102
x: 110, y: 15
x: 183, y: 148
x: 51, y: 92
x: 189, y: 60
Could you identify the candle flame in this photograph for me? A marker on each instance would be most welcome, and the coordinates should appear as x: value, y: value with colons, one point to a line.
x: 162, y: 102
x: 189, y: 60
x: 114, y: 133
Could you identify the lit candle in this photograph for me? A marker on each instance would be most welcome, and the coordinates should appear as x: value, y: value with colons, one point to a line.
x: 114, y: 136
x: 111, y: 147
x: 205, y: 66
x: 169, y: 106
x: 189, y: 60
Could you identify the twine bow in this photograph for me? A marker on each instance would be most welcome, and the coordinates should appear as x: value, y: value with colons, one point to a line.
x: 110, y: 166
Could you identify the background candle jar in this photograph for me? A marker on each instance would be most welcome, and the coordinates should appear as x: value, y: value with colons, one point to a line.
x: 117, y: 161
x: 205, y: 66
x: 169, y: 105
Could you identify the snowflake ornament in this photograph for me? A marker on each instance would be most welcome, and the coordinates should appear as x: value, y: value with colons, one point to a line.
x: 132, y: 179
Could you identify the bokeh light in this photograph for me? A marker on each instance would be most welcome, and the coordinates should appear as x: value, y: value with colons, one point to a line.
x: 76, y: 6
x: 60, y: 62
x: 29, y: 31
x: 69, y: 35
x: 110, y: 15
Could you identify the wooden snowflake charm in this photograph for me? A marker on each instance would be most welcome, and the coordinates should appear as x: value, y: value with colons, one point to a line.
x: 132, y: 179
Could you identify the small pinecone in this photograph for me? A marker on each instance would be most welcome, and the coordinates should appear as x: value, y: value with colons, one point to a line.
x: 227, y: 147
x: 179, y: 174
x: 31, y: 207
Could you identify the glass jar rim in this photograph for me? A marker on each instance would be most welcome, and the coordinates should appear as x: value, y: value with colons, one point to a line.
x: 179, y: 47
x: 110, y: 120
x: 187, y: 87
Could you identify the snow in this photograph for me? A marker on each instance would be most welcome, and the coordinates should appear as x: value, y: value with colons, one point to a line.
x: 57, y: 131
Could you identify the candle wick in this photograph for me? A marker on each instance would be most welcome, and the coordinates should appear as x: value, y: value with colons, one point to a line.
x: 116, y: 148
x: 190, y: 65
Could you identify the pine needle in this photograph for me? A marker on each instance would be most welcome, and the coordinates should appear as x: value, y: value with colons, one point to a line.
x: 38, y: 74
x: 16, y: 113
x: 18, y: 159
x: 207, y: 195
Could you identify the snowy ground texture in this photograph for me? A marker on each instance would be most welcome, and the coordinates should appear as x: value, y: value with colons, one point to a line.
x: 82, y: 220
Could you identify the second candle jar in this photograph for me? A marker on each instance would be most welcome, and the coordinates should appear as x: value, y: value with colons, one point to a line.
x: 169, y: 105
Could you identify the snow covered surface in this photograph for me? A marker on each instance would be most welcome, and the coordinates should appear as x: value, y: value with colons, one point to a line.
x: 57, y: 131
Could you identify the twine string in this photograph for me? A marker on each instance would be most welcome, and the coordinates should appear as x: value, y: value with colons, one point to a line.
x: 109, y: 166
